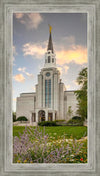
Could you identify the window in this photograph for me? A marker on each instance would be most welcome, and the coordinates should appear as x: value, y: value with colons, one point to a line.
x: 52, y: 59
x: 47, y: 74
x: 48, y: 59
x: 48, y: 93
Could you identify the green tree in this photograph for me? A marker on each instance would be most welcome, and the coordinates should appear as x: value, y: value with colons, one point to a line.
x: 14, y: 116
x: 82, y: 94
x: 70, y: 111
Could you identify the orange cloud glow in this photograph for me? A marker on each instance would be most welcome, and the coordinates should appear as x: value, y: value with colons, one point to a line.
x: 18, y: 15
x: 19, y: 78
x: 67, y: 86
x: 77, y: 54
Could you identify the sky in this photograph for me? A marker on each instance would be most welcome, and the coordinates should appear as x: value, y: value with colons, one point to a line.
x: 30, y: 40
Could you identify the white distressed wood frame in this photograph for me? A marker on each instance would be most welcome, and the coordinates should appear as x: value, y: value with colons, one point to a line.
x: 7, y: 8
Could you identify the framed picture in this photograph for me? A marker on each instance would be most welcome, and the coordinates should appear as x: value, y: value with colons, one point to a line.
x: 53, y: 39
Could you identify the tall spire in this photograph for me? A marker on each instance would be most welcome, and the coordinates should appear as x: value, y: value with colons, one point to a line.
x: 50, y: 60
x: 50, y: 44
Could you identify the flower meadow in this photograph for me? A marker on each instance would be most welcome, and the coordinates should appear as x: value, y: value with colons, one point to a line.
x: 35, y: 146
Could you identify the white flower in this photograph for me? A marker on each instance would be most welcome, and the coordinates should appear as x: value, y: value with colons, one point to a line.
x: 62, y: 156
x: 71, y: 159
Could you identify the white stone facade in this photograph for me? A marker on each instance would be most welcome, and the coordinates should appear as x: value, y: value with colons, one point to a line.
x: 51, y: 100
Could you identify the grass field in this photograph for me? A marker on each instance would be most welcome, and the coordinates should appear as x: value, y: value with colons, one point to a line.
x: 76, y: 132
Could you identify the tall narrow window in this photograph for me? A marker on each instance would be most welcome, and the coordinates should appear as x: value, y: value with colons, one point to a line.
x: 48, y: 59
x: 48, y: 93
x: 52, y: 59
x: 49, y: 103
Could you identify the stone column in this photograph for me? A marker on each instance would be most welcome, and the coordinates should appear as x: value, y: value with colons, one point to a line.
x: 30, y: 118
x: 40, y: 93
x: 46, y: 115
x: 53, y: 116
x: 37, y: 116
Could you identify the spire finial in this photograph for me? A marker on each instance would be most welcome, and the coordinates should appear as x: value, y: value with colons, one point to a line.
x: 50, y: 28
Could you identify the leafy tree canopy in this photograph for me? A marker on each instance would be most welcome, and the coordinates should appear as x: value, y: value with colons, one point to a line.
x: 82, y: 94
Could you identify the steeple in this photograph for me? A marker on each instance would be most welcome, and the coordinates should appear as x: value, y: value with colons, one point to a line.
x: 50, y: 60
x: 50, y: 44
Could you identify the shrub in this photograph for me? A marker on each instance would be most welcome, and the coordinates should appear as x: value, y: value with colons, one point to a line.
x: 47, y: 123
x: 76, y: 118
x: 75, y: 122
x: 60, y: 120
x: 22, y: 118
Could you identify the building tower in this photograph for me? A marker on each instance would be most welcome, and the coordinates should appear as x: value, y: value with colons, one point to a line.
x: 51, y: 100
x: 49, y: 88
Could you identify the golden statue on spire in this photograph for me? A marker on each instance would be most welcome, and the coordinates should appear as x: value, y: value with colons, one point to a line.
x: 50, y: 28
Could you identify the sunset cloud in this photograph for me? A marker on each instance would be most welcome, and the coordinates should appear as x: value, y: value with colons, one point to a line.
x: 34, y: 50
x: 18, y: 15
x: 75, y: 53
x: 75, y: 82
x: 30, y: 20
x: 23, y: 70
x: 19, y: 78
x: 63, y: 69
x: 67, y: 86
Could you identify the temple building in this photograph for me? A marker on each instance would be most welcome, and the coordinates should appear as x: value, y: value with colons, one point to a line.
x: 51, y: 101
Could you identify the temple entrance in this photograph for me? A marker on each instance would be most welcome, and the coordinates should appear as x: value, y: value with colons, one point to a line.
x: 49, y: 116
x: 41, y: 116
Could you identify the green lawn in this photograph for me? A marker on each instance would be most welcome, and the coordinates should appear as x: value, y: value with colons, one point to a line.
x: 76, y: 132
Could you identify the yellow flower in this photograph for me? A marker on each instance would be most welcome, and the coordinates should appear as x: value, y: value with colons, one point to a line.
x: 25, y: 161
x: 18, y: 161
x: 31, y: 161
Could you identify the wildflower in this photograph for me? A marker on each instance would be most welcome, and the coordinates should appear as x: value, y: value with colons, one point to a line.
x: 62, y: 156
x: 31, y: 161
x: 81, y: 159
x: 18, y: 161
x: 25, y: 161
x: 71, y: 159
